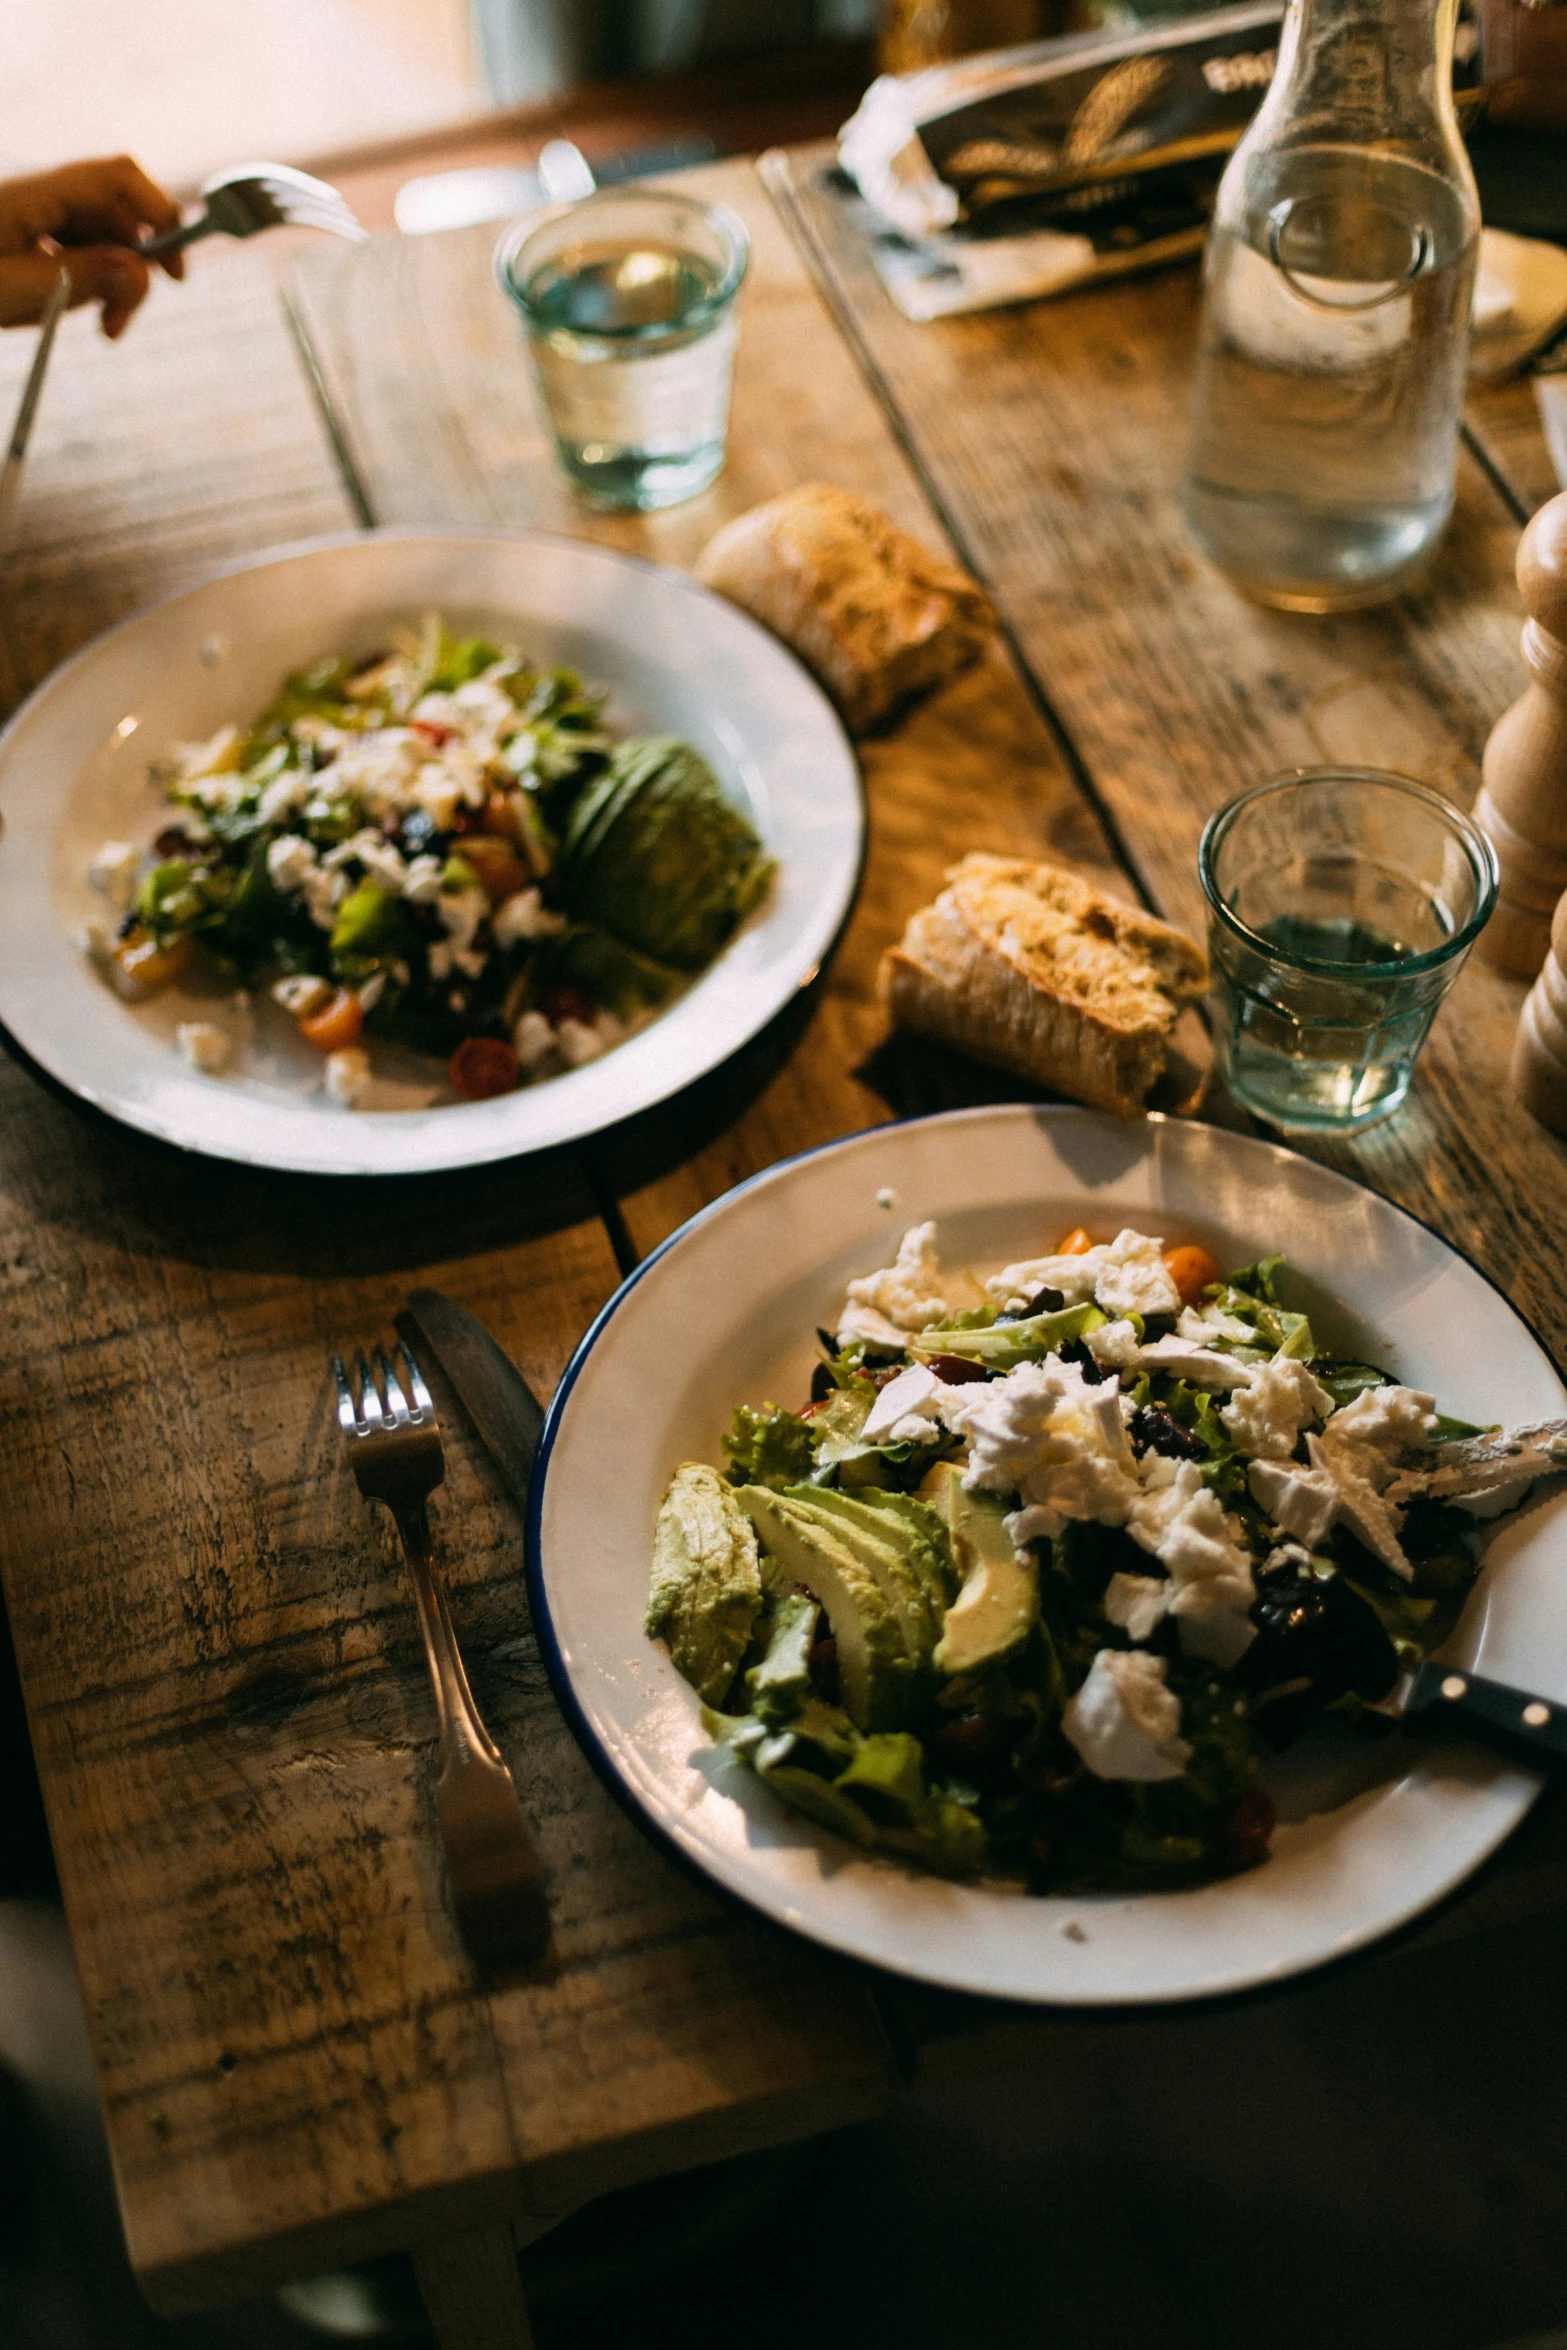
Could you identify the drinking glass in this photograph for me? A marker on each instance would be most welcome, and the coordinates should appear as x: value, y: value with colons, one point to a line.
x: 628, y: 304
x: 1341, y: 905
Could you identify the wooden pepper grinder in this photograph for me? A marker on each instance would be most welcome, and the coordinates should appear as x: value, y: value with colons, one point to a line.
x: 1523, y: 803
x: 1539, y: 1072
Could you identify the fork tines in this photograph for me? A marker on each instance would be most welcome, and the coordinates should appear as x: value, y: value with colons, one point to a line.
x: 374, y: 1397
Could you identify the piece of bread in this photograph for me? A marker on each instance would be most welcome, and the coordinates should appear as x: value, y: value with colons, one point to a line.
x: 874, y: 614
x: 1037, y: 971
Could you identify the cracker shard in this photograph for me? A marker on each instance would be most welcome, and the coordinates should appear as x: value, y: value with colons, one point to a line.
x: 1034, y: 969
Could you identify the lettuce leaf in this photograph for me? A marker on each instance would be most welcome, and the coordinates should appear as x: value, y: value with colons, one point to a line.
x: 770, y: 1446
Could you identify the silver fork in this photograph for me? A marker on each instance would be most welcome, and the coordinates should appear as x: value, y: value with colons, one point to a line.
x: 497, y: 1883
x: 249, y: 197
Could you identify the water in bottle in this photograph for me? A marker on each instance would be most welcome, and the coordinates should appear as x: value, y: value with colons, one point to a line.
x: 1335, y: 316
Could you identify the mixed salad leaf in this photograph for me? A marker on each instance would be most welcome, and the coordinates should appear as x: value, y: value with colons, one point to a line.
x: 1038, y: 1575
x: 441, y: 845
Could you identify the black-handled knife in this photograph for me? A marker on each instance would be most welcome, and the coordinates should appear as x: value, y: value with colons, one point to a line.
x: 1530, y: 1729
x: 485, y: 1380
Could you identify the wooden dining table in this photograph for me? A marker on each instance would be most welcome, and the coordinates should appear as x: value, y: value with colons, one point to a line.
x: 215, y: 1638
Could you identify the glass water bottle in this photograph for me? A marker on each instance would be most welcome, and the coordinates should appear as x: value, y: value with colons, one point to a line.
x: 1336, y: 313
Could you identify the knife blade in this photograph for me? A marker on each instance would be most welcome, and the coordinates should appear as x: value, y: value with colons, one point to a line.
x: 1525, y: 1727
x: 485, y: 1380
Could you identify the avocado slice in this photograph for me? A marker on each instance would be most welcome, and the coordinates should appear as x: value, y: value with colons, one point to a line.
x: 931, y: 1554
x: 706, y: 1588
x: 999, y: 1602
x: 781, y: 1683
x: 873, y: 1659
x: 898, y: 1556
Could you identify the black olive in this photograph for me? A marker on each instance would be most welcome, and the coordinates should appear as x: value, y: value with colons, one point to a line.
x: 418, y: 830
x: 1044, y: 1301
x: 823, y: 1384
x: 1316, y: 1640
x: 1075, y: 1351
x: 1156, y: 1430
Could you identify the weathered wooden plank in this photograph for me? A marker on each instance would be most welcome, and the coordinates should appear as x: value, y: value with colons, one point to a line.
x: 1053, y: 437
x: 423, y: 365
x: 215, y: 1635
x: 1504, y: 422
x: 190, y: 444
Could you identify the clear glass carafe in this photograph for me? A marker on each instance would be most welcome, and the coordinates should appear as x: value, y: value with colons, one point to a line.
x: 1336, y: 313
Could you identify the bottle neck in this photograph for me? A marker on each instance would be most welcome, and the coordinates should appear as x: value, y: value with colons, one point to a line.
x: 1365, y: 72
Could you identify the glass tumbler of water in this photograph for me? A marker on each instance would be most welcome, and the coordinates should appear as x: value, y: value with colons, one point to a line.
x: 628, y: 303
x: 1341, y: 905
x: 1335, y: 318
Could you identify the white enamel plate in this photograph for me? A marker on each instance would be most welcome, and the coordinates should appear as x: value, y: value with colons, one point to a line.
x: 724, y: 1314
x: 676, y: 660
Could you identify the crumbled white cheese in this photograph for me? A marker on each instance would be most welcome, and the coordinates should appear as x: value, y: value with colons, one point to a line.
x: 347, y: 1075
x: 219, y: 754
x: 1201, y: 1326
x: 1124, y: 1721
x: 579, y: 1043
x: 290, y: 859
x: 1126, y: 1275
x: 1280, y: 1398
x: 324, y: 893
x: 461, y: 912
x: 908, y: 1409
x: 1137, y: 1603
x: 1115, y: 1344
x: 1221, y: 1636
x: 885, y: 1308
x: 532, y: 1039
x: 1351, y: 1462
x: 1134, y: 1278
x: 113, y: 870
x: 1047, y: 1434
x: 523, y: 916
x: 439, y: 960
x: 1184, y: 1523
x: 1301, y: 1502
x: 1198, y: 1364
x: 301, y: 993
x: 282, y: 795
x: 381, y: 859
x: 1368, y: 1436
x: 203, y: 1046
x: 422, y: 881
x: 1073, y: 1277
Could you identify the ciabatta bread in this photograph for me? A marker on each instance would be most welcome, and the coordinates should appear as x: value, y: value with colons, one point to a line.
x: 875, y: 615
x: 1033, y: 969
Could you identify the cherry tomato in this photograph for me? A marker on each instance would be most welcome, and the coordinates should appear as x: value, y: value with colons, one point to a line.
x: 501, y: 873
x: 338, y: 1023
x: 1076, y: 1243
x: 145, y: 965
x: 1192, y: 1270
x: 1243, y: 1839
x: 483, y: 1067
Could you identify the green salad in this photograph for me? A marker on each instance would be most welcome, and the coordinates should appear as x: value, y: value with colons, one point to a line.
x: 1047, y: 1564
x: 442, y: 845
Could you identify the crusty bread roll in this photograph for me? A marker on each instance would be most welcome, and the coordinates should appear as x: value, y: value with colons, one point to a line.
x: 873, y: 613
x: 1033, y: 969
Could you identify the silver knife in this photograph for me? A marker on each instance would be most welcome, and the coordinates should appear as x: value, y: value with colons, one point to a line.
x: 16, y: 450
x: 485, y: 1380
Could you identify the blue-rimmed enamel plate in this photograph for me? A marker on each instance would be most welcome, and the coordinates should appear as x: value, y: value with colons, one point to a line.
x: 675, y: 660
x: 725, y: 1313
